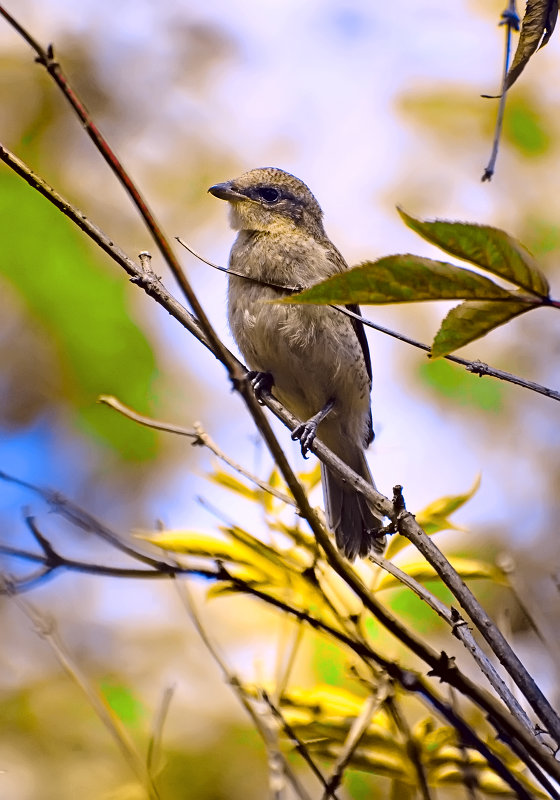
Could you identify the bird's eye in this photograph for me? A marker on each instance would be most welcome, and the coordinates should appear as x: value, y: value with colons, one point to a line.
x: 268, y: 194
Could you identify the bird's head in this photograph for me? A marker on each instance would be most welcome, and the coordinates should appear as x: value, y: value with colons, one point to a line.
x: 271, y: 200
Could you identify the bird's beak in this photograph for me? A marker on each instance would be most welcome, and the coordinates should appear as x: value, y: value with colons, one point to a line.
x: 226, y: 191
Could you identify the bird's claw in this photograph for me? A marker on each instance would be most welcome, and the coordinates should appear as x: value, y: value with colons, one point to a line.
x: 306, y: 433
x: 262, y: 383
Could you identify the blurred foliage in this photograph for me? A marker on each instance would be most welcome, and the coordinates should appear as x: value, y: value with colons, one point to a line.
x: 320, y: 704
x: 83, y: 311
x: 525, y: 127
x: 455, y: 383
x: 455, y: 116
x: 321, y: 715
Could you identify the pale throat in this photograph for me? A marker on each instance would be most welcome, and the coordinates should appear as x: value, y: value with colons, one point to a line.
x: 250, y: 217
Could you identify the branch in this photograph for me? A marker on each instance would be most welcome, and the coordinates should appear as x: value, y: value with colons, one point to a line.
x: 240, y: 382
x: 355, y: 734
x: 412, y: 748
x: 476, y: 367
x: 297, y: 742
x: 200, y: 438
x: 408, y: 527
x: 46, y: 629
x: 377, y: 500
x: 275, y: 756
x: 506, y: 726
x: 154, y: 745
x: 510, y: 20
x: 462, y: 631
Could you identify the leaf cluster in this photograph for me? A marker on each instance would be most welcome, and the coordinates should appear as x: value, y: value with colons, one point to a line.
x: 289, y: 569
x: 409, y: 278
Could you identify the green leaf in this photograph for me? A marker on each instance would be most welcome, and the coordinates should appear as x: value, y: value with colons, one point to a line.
x: 525, y: 127
x: 123, y: 702
x: 471, y: 320
x: 489, y: 248
x: 401, y: 279
x: 538, y: 24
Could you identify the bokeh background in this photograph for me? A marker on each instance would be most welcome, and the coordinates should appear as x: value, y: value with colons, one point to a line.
x: 373, y: 105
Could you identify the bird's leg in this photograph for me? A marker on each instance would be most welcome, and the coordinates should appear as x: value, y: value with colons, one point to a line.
x: 306, y: 431
x: 262, y: 383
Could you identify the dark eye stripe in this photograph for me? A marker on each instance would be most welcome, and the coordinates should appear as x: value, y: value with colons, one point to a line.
x: 269, y: 194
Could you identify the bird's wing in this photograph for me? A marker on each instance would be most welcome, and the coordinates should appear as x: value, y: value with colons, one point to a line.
x: 362, y: 338
x: 341, y: 266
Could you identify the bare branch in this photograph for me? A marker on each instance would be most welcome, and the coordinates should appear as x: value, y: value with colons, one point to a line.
x: 276, y: 759
x: 408, y: 527
x: 476, y: 367
x: 411, y: 746
x: 510, y: 21
x: 355, y: 734
x: 462, y: 631
x: 200, y: 438
x: 299, y: 745
x: 154, y: 745
x: 46, y: 629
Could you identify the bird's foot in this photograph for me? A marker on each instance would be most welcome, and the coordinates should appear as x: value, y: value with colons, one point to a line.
x: 262, y: 383
x: 305, y: 433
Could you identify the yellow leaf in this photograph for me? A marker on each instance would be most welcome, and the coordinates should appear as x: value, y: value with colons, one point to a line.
x: 422, y: 572
x: 435, y: 517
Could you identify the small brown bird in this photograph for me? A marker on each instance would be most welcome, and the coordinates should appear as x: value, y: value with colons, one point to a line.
x: 316, y: 358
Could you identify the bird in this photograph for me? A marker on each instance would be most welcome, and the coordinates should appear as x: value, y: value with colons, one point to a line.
x: 313, y: 358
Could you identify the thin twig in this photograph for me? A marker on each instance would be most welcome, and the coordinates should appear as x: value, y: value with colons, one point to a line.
x: 411, y: 745
x: 408, y: 527
x: 199, y: 436
x: 507, y: 726
x: 86, y: 521
x: 510, y: 20
x: 357, y: 730
x: 439, y: 665
x: 285, y: 665
x: 241, y: 384
x: 274, y: 754
x: 475, y: 367
x: 462, y: 631
x: 154, y: 745
x: 46, y: 628
x: 470, y: 779
x: 378, y: 501
x: 47, y: 59
x: 299, y: 745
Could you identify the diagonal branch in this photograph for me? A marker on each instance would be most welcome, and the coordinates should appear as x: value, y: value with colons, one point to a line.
x: 241, y: 384
x: 377, y: 500
x: 200, y: 439
x: 463, y: 632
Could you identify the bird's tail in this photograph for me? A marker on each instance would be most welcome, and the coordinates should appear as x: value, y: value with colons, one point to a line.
x: 348, y: 515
